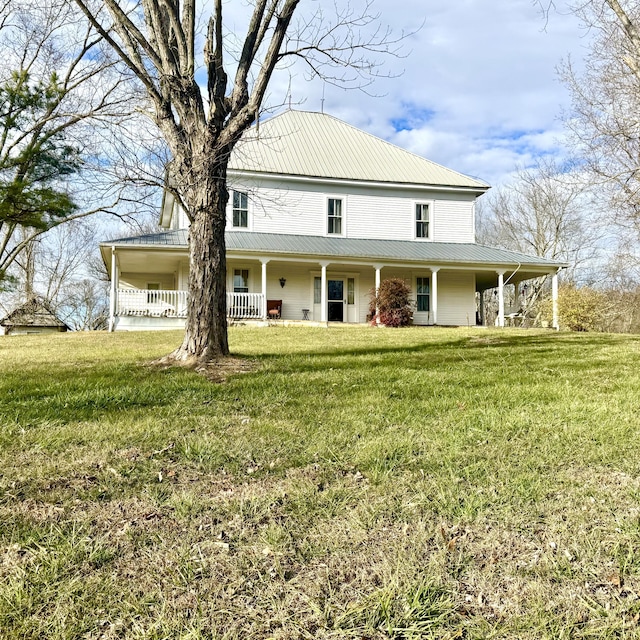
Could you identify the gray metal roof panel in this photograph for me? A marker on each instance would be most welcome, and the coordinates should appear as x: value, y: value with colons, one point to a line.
x: 353, y: 248
x: 175, y: 238
x: 437, y: 252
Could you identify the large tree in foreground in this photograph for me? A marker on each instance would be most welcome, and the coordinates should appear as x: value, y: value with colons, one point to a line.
x: 159, y: 41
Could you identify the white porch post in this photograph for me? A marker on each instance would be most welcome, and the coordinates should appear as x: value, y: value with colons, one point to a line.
x: 113, y: 293
x: 434, y: 294
x: 264, y: 287
x: 554, y: 299
x: 113, y: 297
x: 323, y: 295
x: 500, y: 298
x: 378, y: 268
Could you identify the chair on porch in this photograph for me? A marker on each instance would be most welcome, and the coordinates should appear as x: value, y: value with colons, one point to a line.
x: 274, y: 309
x: 513, y: 317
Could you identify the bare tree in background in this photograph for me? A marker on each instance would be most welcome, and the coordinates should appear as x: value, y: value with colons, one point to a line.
x: 65, y: 113
x: 63, y: 267
x: 545, y: 212
x: 603, y: 120
x: 159, y: 42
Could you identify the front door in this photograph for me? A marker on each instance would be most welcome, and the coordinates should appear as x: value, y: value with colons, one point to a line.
x: 336, y: 300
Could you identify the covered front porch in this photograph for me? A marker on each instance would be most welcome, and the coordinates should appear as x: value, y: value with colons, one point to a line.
x: 314, y: 279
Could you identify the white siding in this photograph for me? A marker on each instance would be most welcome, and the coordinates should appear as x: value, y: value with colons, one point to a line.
x: 369, y: 212
x: 380, y: 217
x: 141, y: 280
x: 456, y: 295
x: 453, y: 221
x: 456, y: 298
x: 179, y: 218
x: 284, y: 210
x: 297, y: 293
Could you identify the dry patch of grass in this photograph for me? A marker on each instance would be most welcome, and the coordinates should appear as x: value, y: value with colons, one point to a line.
x: 215, y: 370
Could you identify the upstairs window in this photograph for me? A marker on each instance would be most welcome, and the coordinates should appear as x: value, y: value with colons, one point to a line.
x: 241, y: 280
x: 422, y: 291
x: 422, y: 220
x: 334, y: 211
x: 240, y: 209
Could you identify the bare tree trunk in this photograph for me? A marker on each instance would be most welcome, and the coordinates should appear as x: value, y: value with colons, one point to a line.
x: 206, y: 326
x: 156, y: 40
x: 29, y: 266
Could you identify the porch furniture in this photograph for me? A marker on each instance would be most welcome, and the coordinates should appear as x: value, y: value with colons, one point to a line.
x: 305, y: 314
x: 274, y: 309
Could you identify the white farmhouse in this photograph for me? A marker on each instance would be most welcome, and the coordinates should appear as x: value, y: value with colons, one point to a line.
x: 319, y: 213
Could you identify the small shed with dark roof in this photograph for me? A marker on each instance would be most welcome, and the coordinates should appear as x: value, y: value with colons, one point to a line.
x: 34, y: 316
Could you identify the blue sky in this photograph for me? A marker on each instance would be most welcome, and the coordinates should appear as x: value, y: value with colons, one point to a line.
x: 477, y: 90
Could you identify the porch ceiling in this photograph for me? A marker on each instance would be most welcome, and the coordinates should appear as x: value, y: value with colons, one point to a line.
x: 144, y: 261
x: 489, y: 279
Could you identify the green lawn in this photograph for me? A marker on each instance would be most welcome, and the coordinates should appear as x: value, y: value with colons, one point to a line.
x: 356, y: 483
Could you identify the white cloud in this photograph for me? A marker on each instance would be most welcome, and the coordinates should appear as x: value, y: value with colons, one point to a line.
x: 479, y: 92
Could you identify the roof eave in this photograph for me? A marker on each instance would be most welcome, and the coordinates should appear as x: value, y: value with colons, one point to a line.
x: 479, y: 189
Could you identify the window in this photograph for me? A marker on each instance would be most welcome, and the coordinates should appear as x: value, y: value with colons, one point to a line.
x: 317, y: 290
x: 422, y: 288
x: 334, y: 210
x: 351, y: 290
x: 240, y: 209
x: 241, y: 280
x: 422, y: 220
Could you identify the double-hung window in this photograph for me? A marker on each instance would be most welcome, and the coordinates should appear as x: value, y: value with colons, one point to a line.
x: 240, y: 209
x: 422, y: 220
x: 241, y: 280
x: 334, y: 219
x: 422, y: 294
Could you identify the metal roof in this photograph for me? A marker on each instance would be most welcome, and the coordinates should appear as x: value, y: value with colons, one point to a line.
x: 350, y: 248
x: 178, y: 238
x: 303, y: 143
x: 33, y: 313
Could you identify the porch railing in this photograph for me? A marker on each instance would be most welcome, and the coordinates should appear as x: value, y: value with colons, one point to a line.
x: 167, y: 303
x: 163, y: 303
x: 245, y: 305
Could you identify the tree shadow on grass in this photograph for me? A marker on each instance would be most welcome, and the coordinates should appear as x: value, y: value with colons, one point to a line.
x: 547, y: 349
x: 106, y: 392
